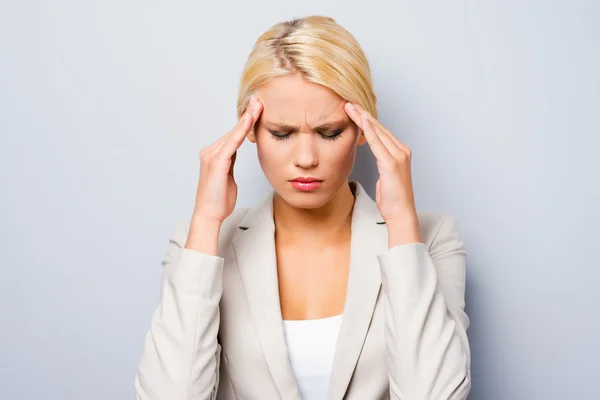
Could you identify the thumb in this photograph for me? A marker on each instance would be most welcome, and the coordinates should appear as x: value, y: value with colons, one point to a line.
x: 233, y: 157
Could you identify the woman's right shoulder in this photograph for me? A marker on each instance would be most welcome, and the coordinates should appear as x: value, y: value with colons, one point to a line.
x: 228, y: 228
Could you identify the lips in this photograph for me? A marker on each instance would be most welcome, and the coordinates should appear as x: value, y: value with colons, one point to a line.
x: 306, y: 184
x: 306, y: 179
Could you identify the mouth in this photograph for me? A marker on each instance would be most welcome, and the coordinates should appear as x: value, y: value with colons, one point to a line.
x: 306, y: 184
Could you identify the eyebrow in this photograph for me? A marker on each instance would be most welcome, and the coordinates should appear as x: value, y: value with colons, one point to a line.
x: 328, y: 126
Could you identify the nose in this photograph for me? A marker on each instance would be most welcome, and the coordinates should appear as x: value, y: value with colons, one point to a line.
x: 306, y: 153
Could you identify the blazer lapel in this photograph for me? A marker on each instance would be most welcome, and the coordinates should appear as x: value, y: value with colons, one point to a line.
x: 255, y: 254
x: 368, y: 238
x: 254, y: 248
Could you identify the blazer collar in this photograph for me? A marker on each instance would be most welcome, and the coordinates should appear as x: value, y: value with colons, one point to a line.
x: 254, y: 249
x: 364, y: 209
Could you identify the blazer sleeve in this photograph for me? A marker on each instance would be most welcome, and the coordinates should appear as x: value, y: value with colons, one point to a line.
x: 428, y: 352
x: 181, y: 355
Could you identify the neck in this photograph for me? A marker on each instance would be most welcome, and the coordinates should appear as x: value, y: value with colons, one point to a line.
x: 322, y: 224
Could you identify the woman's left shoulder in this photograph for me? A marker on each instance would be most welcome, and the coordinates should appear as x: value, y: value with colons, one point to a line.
x: 438, y: 227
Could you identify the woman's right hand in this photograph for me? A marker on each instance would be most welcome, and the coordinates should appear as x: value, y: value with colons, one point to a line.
x: 217, y: 191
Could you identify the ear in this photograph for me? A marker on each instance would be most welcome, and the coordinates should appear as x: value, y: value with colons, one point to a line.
x: 362, y: 139
x: 252, y: 135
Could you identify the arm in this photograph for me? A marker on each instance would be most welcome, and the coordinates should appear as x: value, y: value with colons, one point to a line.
x: 181, y: 355
x: 427, y: 346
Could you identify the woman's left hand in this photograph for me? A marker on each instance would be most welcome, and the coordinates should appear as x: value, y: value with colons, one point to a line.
x: 394, y: 191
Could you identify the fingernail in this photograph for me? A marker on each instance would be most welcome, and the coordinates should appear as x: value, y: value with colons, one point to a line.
x: 351, y: 106
x: 256, y: 105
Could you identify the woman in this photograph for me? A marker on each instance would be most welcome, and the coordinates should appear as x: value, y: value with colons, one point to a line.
x: 319, y: 292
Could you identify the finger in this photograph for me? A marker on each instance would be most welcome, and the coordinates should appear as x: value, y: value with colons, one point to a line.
x: 237, y: 137
x: 361, y: 119
x: 386, y: 139
x: 240, y: 124
x: 216, y: 146
x: 401, y: 146
x: 253, y: 114
x: 233, y: 157
x: 353, y: 113
x: 391, y: 146
x: 255, y: 109
x: 379, y: 125
x: 379, y: 150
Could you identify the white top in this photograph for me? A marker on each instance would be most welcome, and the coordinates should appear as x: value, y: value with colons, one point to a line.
x: 311, y: 346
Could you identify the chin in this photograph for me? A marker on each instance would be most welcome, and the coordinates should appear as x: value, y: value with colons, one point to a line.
x: 306, y: 200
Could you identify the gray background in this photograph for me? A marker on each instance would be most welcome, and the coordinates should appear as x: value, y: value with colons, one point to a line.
x: 105, y: 105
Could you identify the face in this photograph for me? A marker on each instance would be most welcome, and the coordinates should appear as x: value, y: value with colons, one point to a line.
x: 304, y: 134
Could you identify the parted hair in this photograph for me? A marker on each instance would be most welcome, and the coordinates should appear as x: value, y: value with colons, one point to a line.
x: 317, y: 47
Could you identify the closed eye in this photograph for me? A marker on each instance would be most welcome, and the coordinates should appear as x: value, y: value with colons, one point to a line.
x: 277, y: 135
x: 334, y: 135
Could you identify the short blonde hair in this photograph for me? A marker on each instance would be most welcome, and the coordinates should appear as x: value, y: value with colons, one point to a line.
x: 318, y: 48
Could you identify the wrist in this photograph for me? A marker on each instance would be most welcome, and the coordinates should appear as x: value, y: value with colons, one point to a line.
x: 201, y: 221
x: 403, y: 231
x: 203, y: 235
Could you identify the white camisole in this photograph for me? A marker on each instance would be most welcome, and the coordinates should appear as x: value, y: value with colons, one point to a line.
x: 311, y: 346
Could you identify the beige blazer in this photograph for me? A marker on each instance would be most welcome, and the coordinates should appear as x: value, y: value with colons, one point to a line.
x: 218, y: 332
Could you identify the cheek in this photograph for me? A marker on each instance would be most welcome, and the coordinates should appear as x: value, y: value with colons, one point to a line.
x: 349, y: 155
x: 340, y: 152
x: 336, y: 160
x: 268, y: 150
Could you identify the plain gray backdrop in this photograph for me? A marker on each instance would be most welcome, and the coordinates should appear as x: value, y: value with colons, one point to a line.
x: 105, y: 106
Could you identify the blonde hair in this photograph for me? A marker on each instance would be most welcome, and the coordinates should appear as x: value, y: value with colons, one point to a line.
x: 318, y: 48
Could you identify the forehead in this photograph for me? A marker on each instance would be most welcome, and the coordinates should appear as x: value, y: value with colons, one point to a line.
x: 293, y: 99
